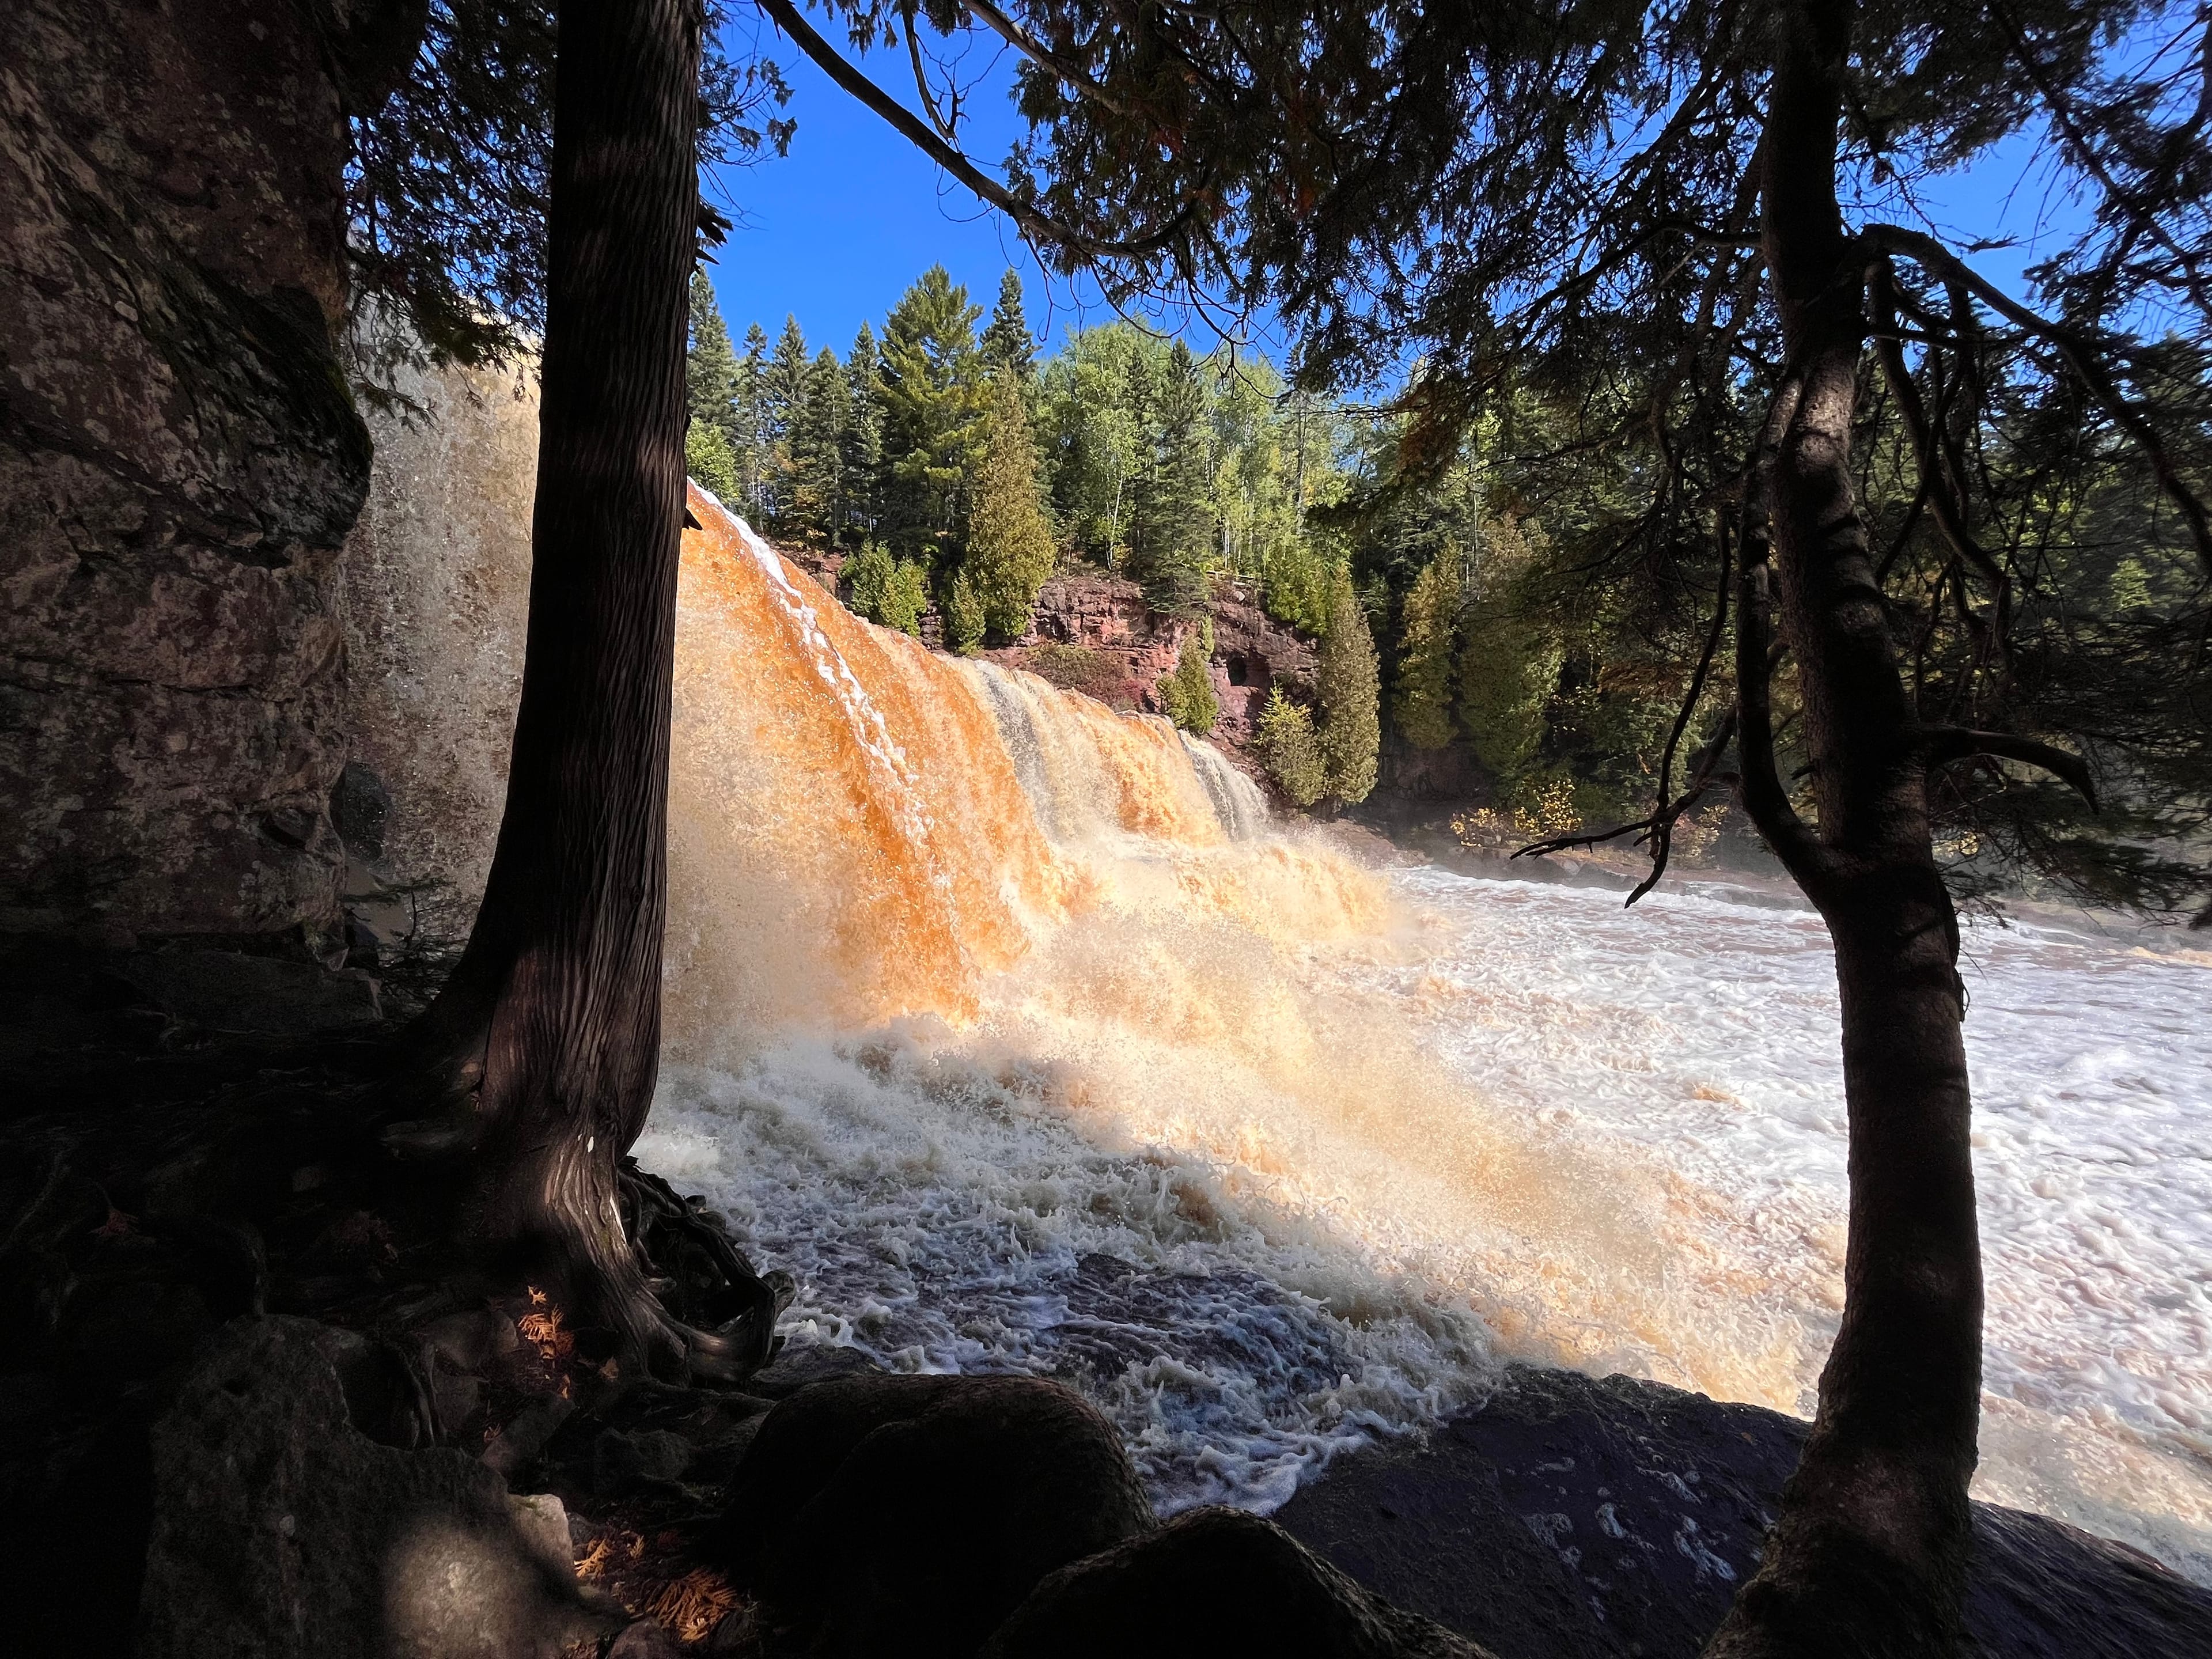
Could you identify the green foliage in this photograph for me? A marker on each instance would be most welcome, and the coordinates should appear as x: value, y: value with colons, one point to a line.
x: 1188, y: 694
x: 1178, y: 469
x: 1009, y: 545
x: 708, y: 458
x: 1171, y: 543
x: 1423, y: 704
x: 885, y: 591
x: 815, y: 487
x: 861, y: 441
x: 710, y: 367
x: 446, y: 184
x: 1287, y: 743
x: 1008, y: 344
x: 933, y: 399
x: 1350, y: 736
x: 964, y: 618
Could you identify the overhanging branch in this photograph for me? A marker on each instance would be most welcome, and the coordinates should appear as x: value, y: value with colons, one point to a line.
x: 1031, y: 219
x: 1946, y: 744
x: 2080, y: 355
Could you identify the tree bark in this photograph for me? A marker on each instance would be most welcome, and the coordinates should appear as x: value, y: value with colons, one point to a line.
x: 1870, y: 1554
x: 550, y: 1025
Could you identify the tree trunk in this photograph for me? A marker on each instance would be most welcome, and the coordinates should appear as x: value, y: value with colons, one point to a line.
x: 552, y: 1022
x: 1869, y: 1555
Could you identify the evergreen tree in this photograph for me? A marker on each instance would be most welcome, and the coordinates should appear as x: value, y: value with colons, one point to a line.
x: 1009, y: 545
x: 964, y: 614
x: 861, y: 448
x: 1285, y: 736
x: 710, y: 367
x: 933, y: 401
x: 1007, y: 343
x: 749, y: 434
x: 816, y: 446
x: 1188, y: 694
x: 1423, y: 704
x: 1351, y: 725
x: 887, y: 591
x: 1510, y: 667
x: 712, y: 463
x: 783, y: 404
x: 1172, y: 546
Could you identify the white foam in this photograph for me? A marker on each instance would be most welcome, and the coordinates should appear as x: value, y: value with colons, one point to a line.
x: 1705, y: 1033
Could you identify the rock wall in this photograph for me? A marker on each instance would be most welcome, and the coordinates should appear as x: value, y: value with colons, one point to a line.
x: 1127, y: 648
x: 179, y: 463
x: 436, y: 598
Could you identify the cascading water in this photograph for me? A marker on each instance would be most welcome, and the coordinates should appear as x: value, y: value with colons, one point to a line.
x: 1012, y: 1028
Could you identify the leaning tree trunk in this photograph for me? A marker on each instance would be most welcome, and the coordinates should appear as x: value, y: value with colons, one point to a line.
x: 1869, y: 1555
x: 550, y: 1024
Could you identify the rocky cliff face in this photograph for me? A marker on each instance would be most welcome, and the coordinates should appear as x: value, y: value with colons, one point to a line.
x: 179, y: 463
x: 1096, y: 634
x: 436, y: 598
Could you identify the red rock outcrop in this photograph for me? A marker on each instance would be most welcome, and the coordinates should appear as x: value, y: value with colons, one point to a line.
x: 1126, y: 648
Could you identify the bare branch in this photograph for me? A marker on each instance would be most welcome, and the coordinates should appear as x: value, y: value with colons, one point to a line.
x: 1945, y: 743
x: 1032, y: 220
x: 2081, y: 355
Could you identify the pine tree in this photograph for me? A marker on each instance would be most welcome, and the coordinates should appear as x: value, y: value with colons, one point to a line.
x: 1007, y: 343
x: 1423, y: 704
x: 1350, y: 727
x: 933, y: 400
x: 1172, y: 540
x: 1285, y: 739
x: 749, y: 434
x: 1188, y: 694
x: 710, y: 367
x: 783, y: 404
x: 816, y: 461
x: 1010, y: 550
x: 861, y: 449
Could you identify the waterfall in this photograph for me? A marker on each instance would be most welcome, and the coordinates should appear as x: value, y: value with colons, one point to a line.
x: 862, y: 829
x: 1017, y: 1031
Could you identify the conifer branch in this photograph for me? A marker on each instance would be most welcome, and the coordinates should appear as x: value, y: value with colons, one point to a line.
x: 2080, y: 355
x: 1945, y: 743
x: 1032, y: 221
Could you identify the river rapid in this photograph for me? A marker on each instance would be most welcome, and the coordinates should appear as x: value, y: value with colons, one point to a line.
x: 1015, y: 1031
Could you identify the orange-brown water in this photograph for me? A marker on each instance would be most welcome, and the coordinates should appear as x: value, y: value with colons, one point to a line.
x: 862, y: 829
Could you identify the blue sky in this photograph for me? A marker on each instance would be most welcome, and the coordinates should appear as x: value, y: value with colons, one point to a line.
x: 836, y: 231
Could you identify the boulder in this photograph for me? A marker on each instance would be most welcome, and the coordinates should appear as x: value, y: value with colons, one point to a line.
x: 799, y: 1365
x: 914, y: 1513
x: 1571, y: 1517
x: 1215, y: 1582
x: 279, y: 1530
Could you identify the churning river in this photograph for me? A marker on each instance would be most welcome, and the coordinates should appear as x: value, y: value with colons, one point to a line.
x: 1015, y: 1031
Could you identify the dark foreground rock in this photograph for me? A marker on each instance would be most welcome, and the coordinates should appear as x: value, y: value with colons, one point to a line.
x: 1573, y: 1519
x: 279, y: 1530
x: 1215, y: 1582
x: 912, y: 1514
